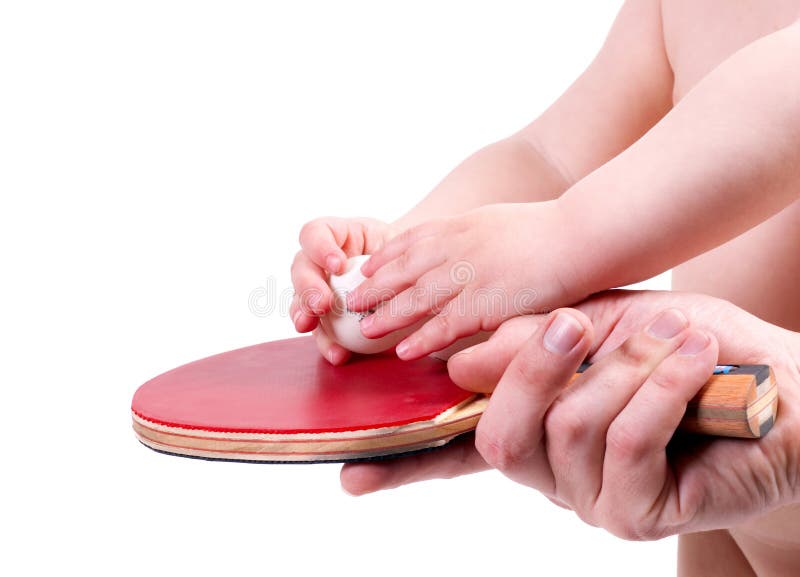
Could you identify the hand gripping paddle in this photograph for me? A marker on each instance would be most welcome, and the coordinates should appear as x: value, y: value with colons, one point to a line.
x: 282, y: 402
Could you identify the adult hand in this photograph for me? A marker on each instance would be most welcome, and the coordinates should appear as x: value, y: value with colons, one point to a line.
x: 606, y: 445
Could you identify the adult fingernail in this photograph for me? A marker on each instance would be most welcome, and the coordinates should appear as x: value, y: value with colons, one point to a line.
x: 332, y: 263
x: 696, y: 343
x: 563, y: 334
x: 668, y: 324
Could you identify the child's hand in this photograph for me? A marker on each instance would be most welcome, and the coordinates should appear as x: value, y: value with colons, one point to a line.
x: 470, y: 271
x: 326, y: 244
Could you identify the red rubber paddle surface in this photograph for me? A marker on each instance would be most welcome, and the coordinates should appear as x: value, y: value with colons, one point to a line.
x: 287, y: 387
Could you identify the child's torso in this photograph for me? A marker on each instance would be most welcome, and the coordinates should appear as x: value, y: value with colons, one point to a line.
x: 760, y: 270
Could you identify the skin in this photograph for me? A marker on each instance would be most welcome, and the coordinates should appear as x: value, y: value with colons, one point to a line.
x: 606, y: 446
x: 631, y: 161
x: 619, y: 224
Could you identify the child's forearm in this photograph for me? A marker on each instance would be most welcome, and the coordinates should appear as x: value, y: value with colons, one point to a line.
x: 725, y: 159
x: 511, y: 170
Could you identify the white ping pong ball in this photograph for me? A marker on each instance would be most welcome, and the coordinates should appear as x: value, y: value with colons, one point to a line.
x: 342, y: 325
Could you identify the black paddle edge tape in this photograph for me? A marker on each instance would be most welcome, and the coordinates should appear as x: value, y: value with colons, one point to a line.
x: 765, y: 427
x: 316, y: 461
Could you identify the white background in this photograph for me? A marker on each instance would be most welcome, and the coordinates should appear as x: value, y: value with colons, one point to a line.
x: 157, y: 160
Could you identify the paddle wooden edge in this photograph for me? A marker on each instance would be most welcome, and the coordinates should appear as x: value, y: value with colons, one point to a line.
x: 311, y: 447
x: 742, y: 402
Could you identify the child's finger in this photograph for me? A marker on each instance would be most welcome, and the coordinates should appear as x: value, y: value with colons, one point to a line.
x: 303, y: 322
x: 411, y: 305
x: 310, y: 286
x: 396, y: 276
x: 398, y: 245
x: 335, y: 353
x: 442, y: 330
x: 322, y: 240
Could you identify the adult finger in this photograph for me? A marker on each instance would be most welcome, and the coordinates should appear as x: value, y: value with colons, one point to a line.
x: 510, y: 434
x: 638, y: 498
x: 458, y: 458
x: 578, y: 421
x: 479, y: 368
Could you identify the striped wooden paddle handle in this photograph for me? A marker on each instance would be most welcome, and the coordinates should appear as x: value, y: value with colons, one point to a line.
x: 737, y: 401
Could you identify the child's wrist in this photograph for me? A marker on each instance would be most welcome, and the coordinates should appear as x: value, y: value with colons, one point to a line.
x: 574, y: 266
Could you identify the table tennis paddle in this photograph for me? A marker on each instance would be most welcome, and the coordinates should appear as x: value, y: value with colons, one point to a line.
x: 282, y: 402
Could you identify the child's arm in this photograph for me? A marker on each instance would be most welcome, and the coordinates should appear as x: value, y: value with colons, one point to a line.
x: 725, y: 159
x: 622, y: 94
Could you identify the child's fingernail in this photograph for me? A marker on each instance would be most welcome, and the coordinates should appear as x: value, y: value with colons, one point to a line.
x: 563, y: 334
x: 367, y: 322
x: 333, y: 263
x: 313, y: 301
x: 696, y: 343
x: 296, y: 316
x: 403, y: 348
x: 668, y: 324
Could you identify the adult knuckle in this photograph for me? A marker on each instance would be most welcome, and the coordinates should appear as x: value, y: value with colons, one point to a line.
x: 634, y: 354
x: 624, y: 443
x: 624, y: 529
x: 527, y: 365
x: 664, y: 380
x: 631, y: 528
x: 564, y: 423
x: 499, y: 452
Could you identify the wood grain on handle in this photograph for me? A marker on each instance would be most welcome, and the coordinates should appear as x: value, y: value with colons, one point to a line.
x: 737, y: 401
